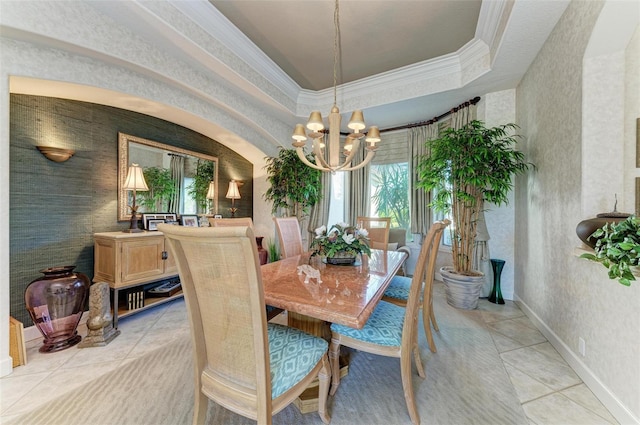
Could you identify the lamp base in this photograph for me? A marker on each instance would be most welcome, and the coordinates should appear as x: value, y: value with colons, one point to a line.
x: 133, y: 231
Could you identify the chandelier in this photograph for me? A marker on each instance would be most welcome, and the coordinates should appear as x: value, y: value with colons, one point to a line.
x: 317, y: 128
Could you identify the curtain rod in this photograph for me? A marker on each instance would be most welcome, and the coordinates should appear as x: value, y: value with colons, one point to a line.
x: 473, y: 101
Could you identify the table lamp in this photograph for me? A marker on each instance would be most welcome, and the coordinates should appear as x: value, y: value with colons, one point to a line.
x: 233, y: 193
x: 211, y: 194
x: 134, y: 181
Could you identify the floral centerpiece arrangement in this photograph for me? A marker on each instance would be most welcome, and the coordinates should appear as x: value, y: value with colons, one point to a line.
x: 341, y: 241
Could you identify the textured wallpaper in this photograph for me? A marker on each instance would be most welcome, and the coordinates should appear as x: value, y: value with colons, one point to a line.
x: 572, y: 297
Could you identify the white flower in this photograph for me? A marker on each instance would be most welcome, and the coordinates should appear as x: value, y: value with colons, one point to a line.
x: 348, y: 238
x: 321, y: 230
x: 343, y: 224
x: 363, y: 232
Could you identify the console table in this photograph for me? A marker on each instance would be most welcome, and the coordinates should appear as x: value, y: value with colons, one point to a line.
x: 132, y: 263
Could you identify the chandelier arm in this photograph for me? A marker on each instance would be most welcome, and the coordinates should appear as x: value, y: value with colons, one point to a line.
x: 308, y: 163
x: 354, y: 148
x: 319, y: 157
x: 367, y: 159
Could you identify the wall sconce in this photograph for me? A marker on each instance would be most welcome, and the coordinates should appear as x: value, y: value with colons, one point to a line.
x: 55, y: 154
x: 211, y: 194
x: 233, y: 193
x: 135, y: 181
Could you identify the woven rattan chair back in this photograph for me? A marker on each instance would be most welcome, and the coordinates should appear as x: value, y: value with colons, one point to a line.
x: 289, y: 236
x: 226, y: 222
x: 378, y: 228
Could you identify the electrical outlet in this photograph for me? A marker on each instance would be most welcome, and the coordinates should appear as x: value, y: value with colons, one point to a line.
x: 582, y: 346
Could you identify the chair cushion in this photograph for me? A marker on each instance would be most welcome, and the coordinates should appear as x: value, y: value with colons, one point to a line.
x: 292, y: 354
x: 399, y: 288
x: 384, y: 326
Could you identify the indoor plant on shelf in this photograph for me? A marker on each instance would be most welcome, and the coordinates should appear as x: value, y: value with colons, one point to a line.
x: 465, y: 168
x: 618, y: 249
x: 341, y: 245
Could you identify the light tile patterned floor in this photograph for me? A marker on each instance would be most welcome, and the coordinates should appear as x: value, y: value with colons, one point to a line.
x: 549, y: 390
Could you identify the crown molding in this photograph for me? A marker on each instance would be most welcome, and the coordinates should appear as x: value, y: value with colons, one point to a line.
x: 468, y: 63
x: 214, y: 23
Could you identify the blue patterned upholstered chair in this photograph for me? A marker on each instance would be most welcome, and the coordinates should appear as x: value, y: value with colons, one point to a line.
x: 398, y: 293
x: 241, y: 362
x: 392, y: 330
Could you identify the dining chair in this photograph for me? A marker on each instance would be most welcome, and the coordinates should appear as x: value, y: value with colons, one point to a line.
x: 378, y: 228
x: 226, y: 222
x: 289, y: 236
x: 400, y: 286
x: 391, y: 329
x: 248, y: 222
x: 241, y: 362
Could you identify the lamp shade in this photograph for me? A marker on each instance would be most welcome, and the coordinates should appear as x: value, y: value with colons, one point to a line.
x: 135, y: 179
x: 233, y: 192
x: 373, y: 135
x: 357, y: 121
x: 315, y: 121
x: 299, y: 133
x: 211, y: 193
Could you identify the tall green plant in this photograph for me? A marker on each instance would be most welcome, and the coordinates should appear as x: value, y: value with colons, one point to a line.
x: 161, y: 189
x: 464, y: 168
x: 294, y: 186
x: 392, y: 194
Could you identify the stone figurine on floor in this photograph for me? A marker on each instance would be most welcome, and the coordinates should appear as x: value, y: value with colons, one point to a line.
x: 100, y: 322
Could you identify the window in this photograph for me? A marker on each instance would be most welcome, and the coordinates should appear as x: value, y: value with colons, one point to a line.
x: 390, y: 193
x: 389, y: 180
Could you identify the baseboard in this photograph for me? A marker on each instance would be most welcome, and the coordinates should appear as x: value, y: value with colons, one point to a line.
x: 606, y: 397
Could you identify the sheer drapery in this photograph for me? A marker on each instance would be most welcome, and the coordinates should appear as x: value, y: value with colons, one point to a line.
x: 421, y: 215
x: 320, y: 212
x: 359, y: 188
x: 177, y: 175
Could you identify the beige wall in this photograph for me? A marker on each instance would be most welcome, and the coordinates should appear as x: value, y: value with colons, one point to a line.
x: 569, y: 297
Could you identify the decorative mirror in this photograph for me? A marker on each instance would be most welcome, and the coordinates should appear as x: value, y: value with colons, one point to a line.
x: 178, y: 179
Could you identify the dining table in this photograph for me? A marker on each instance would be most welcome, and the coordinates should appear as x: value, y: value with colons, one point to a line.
x: 316, y: 294
x: 344, y: 294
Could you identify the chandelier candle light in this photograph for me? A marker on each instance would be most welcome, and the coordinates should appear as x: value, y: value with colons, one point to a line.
x: 316, y: 127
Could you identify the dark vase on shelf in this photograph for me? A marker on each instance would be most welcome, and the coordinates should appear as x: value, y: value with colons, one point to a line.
x: 496, y: 293
x: 55, y: 303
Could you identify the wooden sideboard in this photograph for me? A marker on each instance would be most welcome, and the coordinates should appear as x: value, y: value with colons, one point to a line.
x: 131, y: 263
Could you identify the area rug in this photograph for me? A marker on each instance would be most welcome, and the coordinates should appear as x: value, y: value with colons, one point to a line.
x: 466, y: 384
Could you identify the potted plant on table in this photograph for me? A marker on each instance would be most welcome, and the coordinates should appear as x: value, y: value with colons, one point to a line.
x: 465, y: 168
x: 341, y: 245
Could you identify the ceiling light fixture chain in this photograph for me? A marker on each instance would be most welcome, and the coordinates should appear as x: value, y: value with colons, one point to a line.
x: 316, y: 127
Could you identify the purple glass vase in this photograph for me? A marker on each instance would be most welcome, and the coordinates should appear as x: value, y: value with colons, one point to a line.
x: 55, y: 303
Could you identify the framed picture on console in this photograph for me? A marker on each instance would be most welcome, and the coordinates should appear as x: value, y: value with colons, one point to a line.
x: 152, y: 223
x: 189, y: 220
x: 166, y: 217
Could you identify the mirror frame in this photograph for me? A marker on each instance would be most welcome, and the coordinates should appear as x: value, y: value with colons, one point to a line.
x: 123, y: 167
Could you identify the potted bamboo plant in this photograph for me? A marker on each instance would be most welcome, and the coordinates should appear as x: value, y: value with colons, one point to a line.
x: 465, y: 168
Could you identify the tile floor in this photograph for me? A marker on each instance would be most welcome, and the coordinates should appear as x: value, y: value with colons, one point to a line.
x: 549, y: 390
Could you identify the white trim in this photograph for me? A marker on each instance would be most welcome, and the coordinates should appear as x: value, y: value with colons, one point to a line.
x: 622, y: 414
